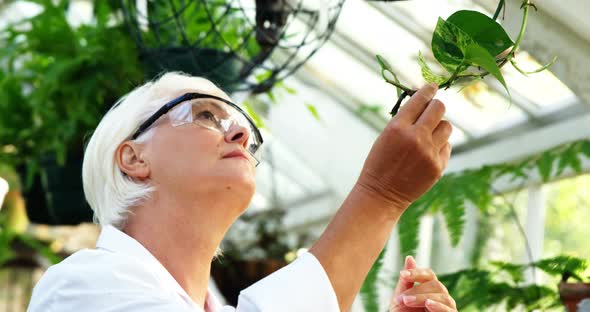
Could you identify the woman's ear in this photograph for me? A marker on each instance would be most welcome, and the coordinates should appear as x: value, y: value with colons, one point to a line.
x: 131, y: 161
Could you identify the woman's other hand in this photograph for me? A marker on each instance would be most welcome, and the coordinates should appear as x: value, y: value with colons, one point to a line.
x: 419, y: 290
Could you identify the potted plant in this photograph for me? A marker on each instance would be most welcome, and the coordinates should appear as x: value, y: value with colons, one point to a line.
x: 56, y: 83
x: 572, y: 294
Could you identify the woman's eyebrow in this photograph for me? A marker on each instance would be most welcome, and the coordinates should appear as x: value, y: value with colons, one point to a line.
x: 217, y: 105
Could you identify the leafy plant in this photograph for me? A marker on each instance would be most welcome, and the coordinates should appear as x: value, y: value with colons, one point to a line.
x: 10, y: 238
x: 57, y: 81
x: 450, y: 196
x: 454, y: 190
x: 469, y: 45
x: 502, y: 284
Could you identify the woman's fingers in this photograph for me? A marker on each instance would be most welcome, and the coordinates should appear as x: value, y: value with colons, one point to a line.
x: 419, y: 300
x: 442, y: 133
x: 434, y: 306
x: 417, y: 275
x: 429, y: 295
x: 445, y: 154
x: 414, y: 108
x: 403, y: 285
x: 432, y: 115
x: 433, y: 286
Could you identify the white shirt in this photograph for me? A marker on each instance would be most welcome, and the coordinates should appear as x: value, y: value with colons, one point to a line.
x: 121, y: 275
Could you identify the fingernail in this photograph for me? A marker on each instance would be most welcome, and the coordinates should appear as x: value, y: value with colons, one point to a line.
x: 429, y: 302
x: 405, y: 273
x: 399, y: 299
x: 434, y: 85
x: 409, y: 299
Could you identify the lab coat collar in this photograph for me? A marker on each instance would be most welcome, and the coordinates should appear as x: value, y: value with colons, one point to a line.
x: 116, y: 241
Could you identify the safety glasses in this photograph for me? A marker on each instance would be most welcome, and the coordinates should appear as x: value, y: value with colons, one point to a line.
x: 210, y: 112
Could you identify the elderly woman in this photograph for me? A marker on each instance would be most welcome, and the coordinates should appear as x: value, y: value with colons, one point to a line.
x: 169, y: 169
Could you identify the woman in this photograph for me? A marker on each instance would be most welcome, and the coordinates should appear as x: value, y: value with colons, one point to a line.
x: 171, y: 167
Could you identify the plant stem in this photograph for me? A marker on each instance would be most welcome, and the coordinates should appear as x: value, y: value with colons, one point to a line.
x: 526, y: 4
x: 398, y: 104
x: 498, y: 9
x: 401, y: 86
x: 447, y: 84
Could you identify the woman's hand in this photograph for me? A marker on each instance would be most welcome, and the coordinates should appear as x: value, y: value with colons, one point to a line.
x: 429, y: 295
x: 411, y: 153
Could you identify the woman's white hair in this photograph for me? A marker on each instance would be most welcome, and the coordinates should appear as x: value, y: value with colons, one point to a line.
x: 108, y: 190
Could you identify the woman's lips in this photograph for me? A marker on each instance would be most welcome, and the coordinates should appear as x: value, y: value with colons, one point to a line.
x: 235, y: 154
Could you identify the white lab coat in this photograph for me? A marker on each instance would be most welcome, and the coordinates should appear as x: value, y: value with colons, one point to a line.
x: 121, y: 275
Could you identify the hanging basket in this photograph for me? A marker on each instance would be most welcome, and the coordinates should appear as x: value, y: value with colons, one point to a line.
x: 218, y: 66
x: 239, y: 44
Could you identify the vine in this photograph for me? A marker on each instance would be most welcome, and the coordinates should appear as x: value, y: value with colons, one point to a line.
x: 469, y: 45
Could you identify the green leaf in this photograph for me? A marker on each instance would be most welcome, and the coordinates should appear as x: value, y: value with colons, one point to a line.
x: 479, y: 56
x: 40, y: 247
x: 102, y: 12
x: 516, y: 271
x: 363, y: 109
x: 569, y: 158
x: 272, y: 97
x: 585, y: 148
x: 409, y: 225
x: 369, y: 290
x: 561, y: 264
x: 448, y: 43
x: 545, y: 165
x: 258, y: 122
x: 483, y: 30
x: 263, y: 76
x: 427, y: 73
x: 386, y: 68
x: 383, y: 62
x: 288, y: 89
x: 314, y: 112
x: 453, y: 206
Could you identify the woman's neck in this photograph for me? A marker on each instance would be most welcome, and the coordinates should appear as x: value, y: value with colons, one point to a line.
x: 183, y: 237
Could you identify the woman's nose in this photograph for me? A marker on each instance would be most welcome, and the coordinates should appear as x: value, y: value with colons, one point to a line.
x: 237, y: 134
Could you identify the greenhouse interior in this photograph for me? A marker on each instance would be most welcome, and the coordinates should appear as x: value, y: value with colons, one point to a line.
x: 346, y: 188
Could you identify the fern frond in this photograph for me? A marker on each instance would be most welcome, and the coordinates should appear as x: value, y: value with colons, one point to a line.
x: 409, y: 225
x: 563, y: 264
x: 369, y: 290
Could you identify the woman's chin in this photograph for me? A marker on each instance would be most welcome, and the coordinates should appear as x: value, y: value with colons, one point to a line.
x: 240, y: 183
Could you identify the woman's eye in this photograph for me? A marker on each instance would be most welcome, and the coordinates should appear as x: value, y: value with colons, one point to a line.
x: 206, y: 115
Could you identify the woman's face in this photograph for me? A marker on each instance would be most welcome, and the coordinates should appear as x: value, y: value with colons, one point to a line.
x: 191, y: 160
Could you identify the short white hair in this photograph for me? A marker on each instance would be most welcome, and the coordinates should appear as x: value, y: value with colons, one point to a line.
x: 109, y: 192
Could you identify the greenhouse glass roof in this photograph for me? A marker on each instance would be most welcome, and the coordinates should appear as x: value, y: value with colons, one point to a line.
x: 313, y: 161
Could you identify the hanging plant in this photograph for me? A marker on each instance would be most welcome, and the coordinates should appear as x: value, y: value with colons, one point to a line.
x: 469, y: 45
